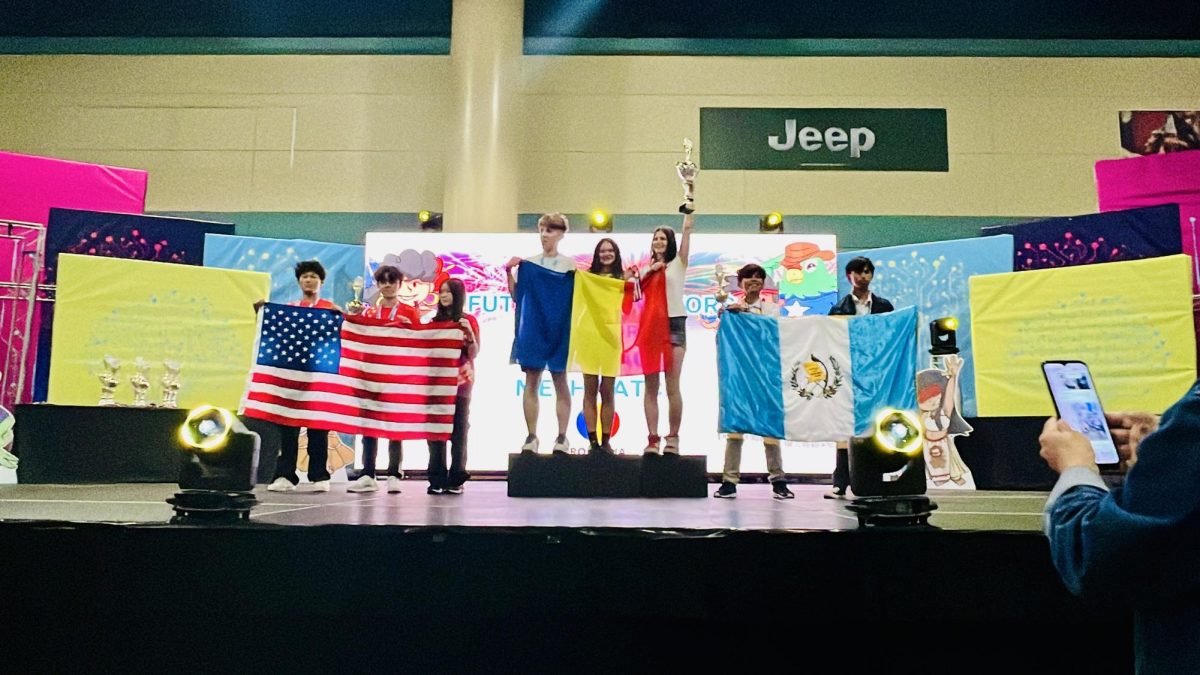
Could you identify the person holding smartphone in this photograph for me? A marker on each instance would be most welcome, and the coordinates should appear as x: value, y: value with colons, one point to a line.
x: 1137, y: 543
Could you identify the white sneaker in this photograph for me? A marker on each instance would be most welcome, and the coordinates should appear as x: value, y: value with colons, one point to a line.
x: 319, y: 486
x: 281, y: 484
x: 393, y: 485
x: 363, y: 484
x: 530, y: 446
x: 561, y: 445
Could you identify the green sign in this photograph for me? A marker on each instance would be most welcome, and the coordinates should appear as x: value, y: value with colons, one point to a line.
x: 829, y: 139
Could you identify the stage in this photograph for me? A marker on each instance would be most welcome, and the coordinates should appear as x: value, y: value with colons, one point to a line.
x: 484, y: 582
x: 484, y: 505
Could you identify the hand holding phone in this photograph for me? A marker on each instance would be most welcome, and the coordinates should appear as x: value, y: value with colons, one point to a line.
x: 1077, y: 403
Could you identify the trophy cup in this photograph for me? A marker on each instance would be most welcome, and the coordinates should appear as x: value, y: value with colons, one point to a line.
x: 108, y: 380
x: 719, y: 276
x: 687, y: 173
x: 356, y: 305
x: 170, y: 383
x: 141, y: 383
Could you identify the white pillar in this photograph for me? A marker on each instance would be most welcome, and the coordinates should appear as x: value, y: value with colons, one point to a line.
x: 482, y: 155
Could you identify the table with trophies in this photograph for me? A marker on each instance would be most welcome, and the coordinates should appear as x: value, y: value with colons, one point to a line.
x: 111, y: 442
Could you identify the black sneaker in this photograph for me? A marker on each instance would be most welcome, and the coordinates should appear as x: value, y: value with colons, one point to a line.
x: 838, y: 492
x: 453, y: 490
x: 726, y: 491
x: 781, y: 490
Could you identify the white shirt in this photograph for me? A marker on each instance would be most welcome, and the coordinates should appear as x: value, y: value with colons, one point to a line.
x: 558, y: 263
x: 676, y: 271
x: 763, y: 306
x: 861, y: 307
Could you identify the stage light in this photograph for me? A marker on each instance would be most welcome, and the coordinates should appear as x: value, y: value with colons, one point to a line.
x: 600, y: 221
x: 942, y: 336
x: 887, y: 472
x: 897, y: 431
x: 430, y: 221
x: 772, y: 222
x: 218, y: 467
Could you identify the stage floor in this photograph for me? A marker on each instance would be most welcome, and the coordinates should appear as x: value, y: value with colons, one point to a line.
x: 486, y: 504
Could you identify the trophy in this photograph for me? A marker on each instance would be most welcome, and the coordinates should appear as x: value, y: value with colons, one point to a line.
x: 108, y: 380
x: 141, y: 383
x: 170, y: 383
x: 687, y: 173
x: 356, y: 305
x: 719, y: 276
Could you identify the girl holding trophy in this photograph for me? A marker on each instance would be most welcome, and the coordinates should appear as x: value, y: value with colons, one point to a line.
x: 671, y: 258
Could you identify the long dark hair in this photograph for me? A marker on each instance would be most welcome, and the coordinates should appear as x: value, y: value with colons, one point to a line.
x: 672, y: 249
x: 617, y: 271
x: 455, y: 311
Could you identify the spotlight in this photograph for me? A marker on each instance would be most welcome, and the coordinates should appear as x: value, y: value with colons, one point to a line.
x: 772, y: 222
x: 942, y: 336
x: 887, y: 472
x: 218, y: 467
x: 600, y: 221
x: 430, y: 221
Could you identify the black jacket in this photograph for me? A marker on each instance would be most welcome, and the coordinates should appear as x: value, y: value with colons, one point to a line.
x: 846, y: 306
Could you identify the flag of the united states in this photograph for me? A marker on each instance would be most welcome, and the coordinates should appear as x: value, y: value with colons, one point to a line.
x: 316, y: 368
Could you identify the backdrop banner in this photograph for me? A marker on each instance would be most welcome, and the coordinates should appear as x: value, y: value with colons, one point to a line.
x: 803, y: 280
x: 933, y: 278
x: 278, y: 257
x: 199, y: 317
x: 1132, y: 234
x: 1131, y: 322
x: 113, y: 235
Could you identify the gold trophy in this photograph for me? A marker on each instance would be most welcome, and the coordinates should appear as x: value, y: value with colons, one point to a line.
x: 687, y: 173
x: 109, y: 380
x: 170, y: 383
x: 720, y: 276
x: 141, y: 383
x: 356, y: 305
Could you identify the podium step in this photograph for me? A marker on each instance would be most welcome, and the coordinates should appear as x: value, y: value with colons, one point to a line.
x: 622, y: 476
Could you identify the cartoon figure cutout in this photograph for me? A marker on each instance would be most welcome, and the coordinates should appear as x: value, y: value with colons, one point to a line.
x: 423, y: 276
x: 937, y: 397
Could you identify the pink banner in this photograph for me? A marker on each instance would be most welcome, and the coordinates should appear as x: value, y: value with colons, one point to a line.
x: 30, y: 186
x: 1172, y: 178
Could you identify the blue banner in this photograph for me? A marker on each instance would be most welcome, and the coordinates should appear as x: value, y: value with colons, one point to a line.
x: 933, y: 277
x: 278, y: 257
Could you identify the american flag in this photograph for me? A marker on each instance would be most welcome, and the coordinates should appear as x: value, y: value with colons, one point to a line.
x: 314, y: 367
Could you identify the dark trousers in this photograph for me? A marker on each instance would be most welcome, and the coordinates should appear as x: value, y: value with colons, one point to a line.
x: 439, y: 477
x: 289, y: 448
x: 370, y: 450
x: 841, y: 469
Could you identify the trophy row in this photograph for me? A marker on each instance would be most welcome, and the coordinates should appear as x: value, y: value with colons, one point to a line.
x: 140, y: 381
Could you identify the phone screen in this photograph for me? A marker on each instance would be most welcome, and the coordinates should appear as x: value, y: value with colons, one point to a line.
x: 1075, y: 399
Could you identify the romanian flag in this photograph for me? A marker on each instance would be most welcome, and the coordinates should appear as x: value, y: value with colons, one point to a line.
x: 589, y: 323
x: 817, y: 378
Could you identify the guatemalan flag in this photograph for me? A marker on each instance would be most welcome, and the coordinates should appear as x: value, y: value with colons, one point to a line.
x: 819, y: 378
x: 583, y: 322
x: 316, y: 367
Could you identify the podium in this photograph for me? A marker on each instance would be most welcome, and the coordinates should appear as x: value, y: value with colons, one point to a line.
x: 613, y: 476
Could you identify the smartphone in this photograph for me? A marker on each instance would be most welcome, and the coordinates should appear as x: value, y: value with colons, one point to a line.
x: 1076, y: 401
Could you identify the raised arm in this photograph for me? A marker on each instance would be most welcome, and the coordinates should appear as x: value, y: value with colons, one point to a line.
x: 685, y: 239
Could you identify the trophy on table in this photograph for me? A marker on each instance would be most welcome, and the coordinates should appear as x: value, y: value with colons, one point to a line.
x: 109, y: 380
x: 170, y: 383
x: 356, y: 305
x: 687, y: 173
x: 141, y: 383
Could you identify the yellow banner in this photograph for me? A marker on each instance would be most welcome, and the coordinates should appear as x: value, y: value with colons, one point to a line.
x: 595, y: 346
x: 201, y: 317
x: 1131, y: 322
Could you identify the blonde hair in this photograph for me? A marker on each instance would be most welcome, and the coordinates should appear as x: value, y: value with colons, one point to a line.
x: 554, y: 221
